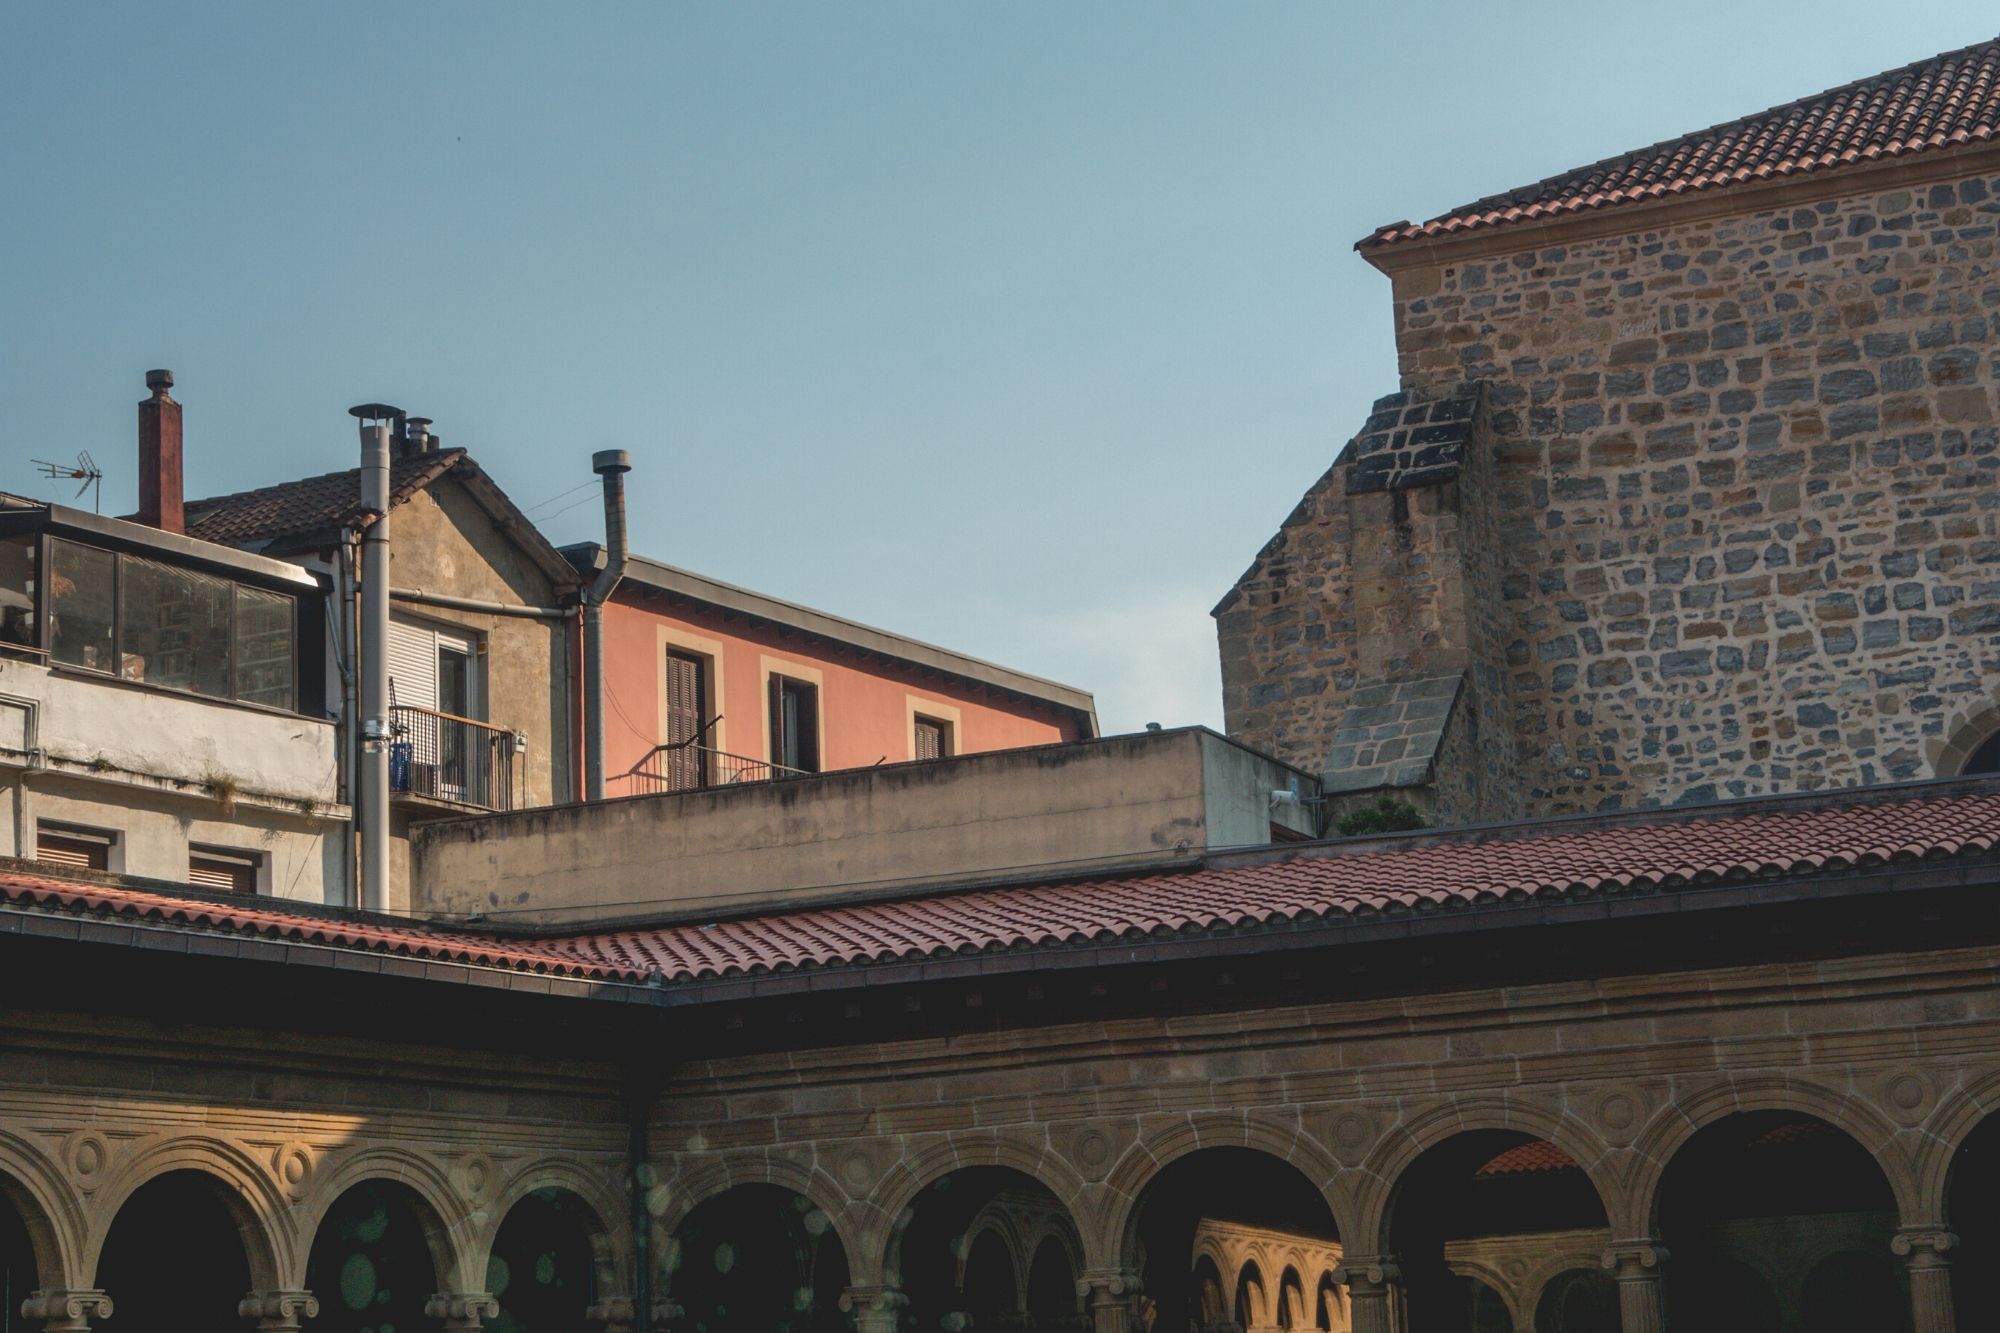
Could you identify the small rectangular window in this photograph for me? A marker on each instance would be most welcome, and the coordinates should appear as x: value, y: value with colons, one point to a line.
x: 77, y: 848
x: 794, y: 724
x: 83, y: 598
x: 933, y: 738
x: 264, y: 648
x: 224, y: 870
x: 18, y: 586
x: 176, y: 628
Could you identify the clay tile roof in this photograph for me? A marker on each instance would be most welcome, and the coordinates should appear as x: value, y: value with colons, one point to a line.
x: 273, y: 515
x: 1262, y: 891
x: 1947, y: 100
x: 1535, y: 1155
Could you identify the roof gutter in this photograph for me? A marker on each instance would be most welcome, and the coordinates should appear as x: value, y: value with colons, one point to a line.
x: 419, y: 597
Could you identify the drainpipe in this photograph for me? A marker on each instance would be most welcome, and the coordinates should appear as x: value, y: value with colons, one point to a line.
x: 372, y: 813
x: 349, y: 711
x: 612, y: 465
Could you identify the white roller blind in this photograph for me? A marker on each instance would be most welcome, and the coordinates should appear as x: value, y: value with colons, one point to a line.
x: 413, y: 664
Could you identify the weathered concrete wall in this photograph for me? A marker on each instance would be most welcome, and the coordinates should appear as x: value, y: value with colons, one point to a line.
x: 162, y: 771
x: 1123, y: 800
x: 1741, y: 504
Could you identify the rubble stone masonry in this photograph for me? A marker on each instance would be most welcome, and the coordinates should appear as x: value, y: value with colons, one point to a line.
x: 1733, y: 526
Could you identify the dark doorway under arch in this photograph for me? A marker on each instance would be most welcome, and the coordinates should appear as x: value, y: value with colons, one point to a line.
x: 370, y: 1265
x: 19, y: 1274
x: 756, y: 1257
x: 1972, y: 1207
x: 963, y: 1247
x: 174, y: 1260
x: 542, y: 1270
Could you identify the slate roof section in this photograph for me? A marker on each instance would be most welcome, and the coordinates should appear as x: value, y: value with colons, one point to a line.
x: 293, y: 511
x: 1408, y: 443
x: 1390, y: 733
x: 1943, y: 102
x: 1300, y: 884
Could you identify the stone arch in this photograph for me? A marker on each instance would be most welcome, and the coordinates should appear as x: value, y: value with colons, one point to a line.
x: 49, y: 1207
x: 1386, y: 1164
x: 1284, y: 1312
x: 1251, y: 1295
x: 710, y: 1179
x: 1949, y: 1126
x: 1510, y: 1291
x: 609, y: 1244
x: 264, y: 1220
x: 447, y: 1219
x: 1109, y: 1240
x: 1975, y: 723
x: 887, y: 1210
x: 1669, y: 1130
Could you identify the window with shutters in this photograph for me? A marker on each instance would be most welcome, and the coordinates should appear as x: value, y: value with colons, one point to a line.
x: 933, y: 738
x: 794, y: 724
x: 223, y: 869
x: 75, y: 847
x: 687, y: 718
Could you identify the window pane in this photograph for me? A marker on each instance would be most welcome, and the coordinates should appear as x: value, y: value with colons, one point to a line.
x: 264, y: 631
x: 80, y: 605
x: 17, y: 589
x: 176, y: 630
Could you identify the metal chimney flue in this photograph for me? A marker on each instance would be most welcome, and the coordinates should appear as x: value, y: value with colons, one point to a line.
x: 611, y: 465
x: 378, y: 422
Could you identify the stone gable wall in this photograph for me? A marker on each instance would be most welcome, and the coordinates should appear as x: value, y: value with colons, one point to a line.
x: 1738, y: 528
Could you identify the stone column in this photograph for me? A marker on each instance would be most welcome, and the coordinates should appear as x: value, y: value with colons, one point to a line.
x: 279, y: 1311
x: 461, y: 1311
x: 1636, y: 1264
x: 1923, y: 1250
x: 1374, y: 1291
x: 65, y: 1311
x: 1637, y: 1267
x: 667, y: 1316
x: 612, y: 1315
x: 1111, y: 1298
x: 875, y: 1308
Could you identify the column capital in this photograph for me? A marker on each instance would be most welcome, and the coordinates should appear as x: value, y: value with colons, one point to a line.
x: 1923, y: 1246
x: 666, y: 1313
x: 613, y: 1314
x: 881, y: 1298
x: 1110, y: 1283
x: 66, y: 1310
x: 1369, y: 1272
x: 461, y: 1311
x: 279, y: 1311
x: 1637, y: 1260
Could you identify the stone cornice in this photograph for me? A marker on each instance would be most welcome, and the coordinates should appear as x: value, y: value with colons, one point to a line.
x: 1507, y: 238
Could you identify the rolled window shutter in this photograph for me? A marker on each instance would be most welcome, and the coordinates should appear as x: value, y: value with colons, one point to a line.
x: 413, y: 658
x: 73, y: 848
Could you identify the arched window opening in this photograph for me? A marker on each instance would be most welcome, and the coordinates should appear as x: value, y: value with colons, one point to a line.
x: 756, y: 1257
x: 1489, y: 1207
x: 1581, y: 1300
x: 1228, y: 1203
x: 1330, y: 1305
x: 1972, y: 1207
x: 1249, y: 1305
x: 1985, y: 759
x: 541, y: 1269
x: 174, y: 1260
x: 1052, y: 1299
x: 1753, y: 1206
x: 962, y: 1251
x: 1291, y: 1300
x: 370, y: 1265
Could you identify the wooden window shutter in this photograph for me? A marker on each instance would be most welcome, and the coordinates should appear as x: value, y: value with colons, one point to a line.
x: 79, y: 849
x: 930, y: 739
x: 226, y: 871
x: 687, y: 711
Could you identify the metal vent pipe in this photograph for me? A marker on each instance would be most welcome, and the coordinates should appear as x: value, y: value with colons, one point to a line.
x: 372, y: 813
x: 612, y: 465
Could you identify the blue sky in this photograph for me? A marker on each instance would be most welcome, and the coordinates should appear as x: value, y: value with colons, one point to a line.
x: 1017, y: 327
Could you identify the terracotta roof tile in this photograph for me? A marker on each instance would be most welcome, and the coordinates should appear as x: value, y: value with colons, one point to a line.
x: 271, y: 515
x: 1300, y: 884
x: 1947, y: 100
x: 1534, y: 1156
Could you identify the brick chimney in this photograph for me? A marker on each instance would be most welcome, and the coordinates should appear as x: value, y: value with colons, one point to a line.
x: 160, y: 456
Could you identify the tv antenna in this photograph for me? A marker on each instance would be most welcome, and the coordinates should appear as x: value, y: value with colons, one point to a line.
x: 85, y: 470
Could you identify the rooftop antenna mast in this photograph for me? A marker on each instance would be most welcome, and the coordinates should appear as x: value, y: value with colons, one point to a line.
x: 85, y: 470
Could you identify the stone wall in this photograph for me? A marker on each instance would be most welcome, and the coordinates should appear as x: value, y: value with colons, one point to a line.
x: 1742, y: 507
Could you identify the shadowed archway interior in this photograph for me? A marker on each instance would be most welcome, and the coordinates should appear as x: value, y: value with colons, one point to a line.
x: 1779, y: 1222
x: 370, y: 1266
x: 984, y: 1247
x: 174, y: 1260
x: 18, y: 1273
x: 1972, y: 1202
x: 541, y: 1269
x: 756, y: 1257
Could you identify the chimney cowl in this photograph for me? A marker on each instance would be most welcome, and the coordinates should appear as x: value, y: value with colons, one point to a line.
x: 610, y: 460
x: 159, y: 381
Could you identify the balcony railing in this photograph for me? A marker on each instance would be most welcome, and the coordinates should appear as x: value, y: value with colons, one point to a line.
x: 451, y: 758
x: 688, y: 766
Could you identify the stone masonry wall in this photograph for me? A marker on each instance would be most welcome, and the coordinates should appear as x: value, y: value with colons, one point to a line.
x: 1738, y: 530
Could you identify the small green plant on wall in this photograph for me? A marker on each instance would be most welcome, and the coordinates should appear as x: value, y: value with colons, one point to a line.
x: 1389, y: 814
